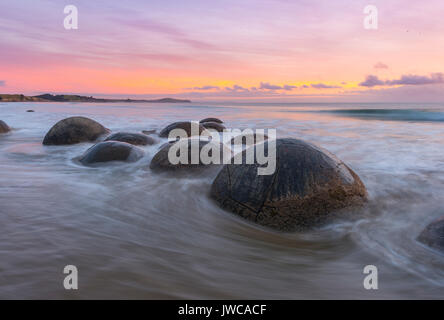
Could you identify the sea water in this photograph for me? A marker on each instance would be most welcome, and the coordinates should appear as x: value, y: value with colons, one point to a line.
x: 133, y: 233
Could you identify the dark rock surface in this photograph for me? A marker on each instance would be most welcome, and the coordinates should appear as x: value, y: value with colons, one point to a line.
x: 433, y: 235
x: 161, y: 161
x: 111, y: 151
x: 74, y: 130
x: 137, y: 139
x: 211, y: 120
x: 245, y: 139
x: 149, y: 131
x: 185, y: 125
x: 307, y: 186
x: 4, y: 128
x: 214, y: 126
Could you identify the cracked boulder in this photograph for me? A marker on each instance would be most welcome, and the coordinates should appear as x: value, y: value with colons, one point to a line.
x: 307, y: 186
x: 111, y: 151
x: 433, y: 235
x: 74, y: 130
x: 137, y: 139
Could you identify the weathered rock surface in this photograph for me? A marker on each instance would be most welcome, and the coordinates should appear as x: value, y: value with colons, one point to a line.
x: 161, y: 160
x: 214, y: 126
x: 4, y: 128
x: 249, y: 139
x: 184, y: 125
x: 433, y: 235
x: 211, y: 120
x: 111, y: 151
x: 308, y: 185
x: 74, y: 130
x: 137, y: 139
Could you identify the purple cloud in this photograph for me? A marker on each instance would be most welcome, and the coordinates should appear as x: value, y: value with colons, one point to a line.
x: 236, y: 88
x: 410, y: 79
x: 371, y: 81
x: 268, y: 86
x: 380, y: 65
x: 323, y: 86
x: 203, y: 88
x: 417, y: 80
x: 2, y: 83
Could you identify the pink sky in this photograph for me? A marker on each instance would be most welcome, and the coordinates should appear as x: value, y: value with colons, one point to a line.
x: 306, y: 50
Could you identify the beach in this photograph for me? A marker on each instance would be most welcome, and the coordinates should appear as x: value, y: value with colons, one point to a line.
x: 134, y: 233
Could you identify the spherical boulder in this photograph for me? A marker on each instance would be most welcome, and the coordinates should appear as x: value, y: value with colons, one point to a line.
x: 4, y: 128
x: 249, y: 139
x: 162, y: 161
x: 211, y: 120
x: 74, y: 130
x: 137, y: 139
x: 214, y: 126
x: 306, y: 187
x: 188, y: 126
x: 433, y: 235
x: 111, y: 151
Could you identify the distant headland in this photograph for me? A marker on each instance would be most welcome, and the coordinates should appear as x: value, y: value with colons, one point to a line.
x: 76, y: 98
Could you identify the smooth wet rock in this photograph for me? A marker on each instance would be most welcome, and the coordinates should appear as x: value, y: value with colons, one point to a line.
x: 214, y: 126
x: 111, y: 151
x: 184, y: 125
x: 4, y: 128
x: 149, y: 131
x: 433, y: 235
x: 249, y: 139
x: 137, y: 139
x: 161, y: 160
x: 308, y: 185
x: 74, y: 130
x: 211, y: 120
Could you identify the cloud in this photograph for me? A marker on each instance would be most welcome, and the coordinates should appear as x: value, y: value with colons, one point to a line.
x: 417, y: 80
x: 2, y: 83
x: 236, y: 88
x: 323, y: 86
x: 380, y: 65
x: 371, y: 81
x: 268, y: 86
x: 410, y: 79
x: 203, y: 88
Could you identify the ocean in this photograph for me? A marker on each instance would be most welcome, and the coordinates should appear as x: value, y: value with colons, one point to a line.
x: 133, y: 233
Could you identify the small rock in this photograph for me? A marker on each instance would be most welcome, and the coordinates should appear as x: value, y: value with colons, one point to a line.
x: 184, y: 125
x: 74, y: 130
x: 111, y: 151
x: 4, y: 128
x: 137, y: 139
x: 433, y: 235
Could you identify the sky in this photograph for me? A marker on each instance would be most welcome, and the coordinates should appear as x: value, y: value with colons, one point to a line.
x: 276, y: 50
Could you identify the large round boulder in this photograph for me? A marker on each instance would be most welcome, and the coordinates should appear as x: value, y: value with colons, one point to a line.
x: 188, y: 148
x: 4, y: 128
x: 306, y: 187
x: 211, y: 120
x: 137, y: 139
x: 74, y: 130
x: 111, y: 151
x: 191, y: 128
x: 433, y: 235
x: 214, y: 126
